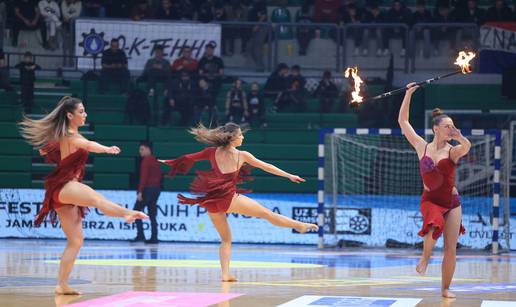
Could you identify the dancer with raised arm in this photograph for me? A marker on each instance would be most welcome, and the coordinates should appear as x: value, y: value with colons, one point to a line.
x: 440, y: 202
x: 58, y: 138
x: 217, y: 191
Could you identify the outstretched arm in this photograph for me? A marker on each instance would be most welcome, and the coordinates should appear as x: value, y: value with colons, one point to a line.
x: 403, y: 119
x: 269, y: 168
x: 81, y: 142
x: 462, y: 149
x: 184, y: 163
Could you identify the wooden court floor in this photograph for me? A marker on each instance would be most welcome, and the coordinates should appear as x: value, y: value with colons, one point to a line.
x: 268, y: 275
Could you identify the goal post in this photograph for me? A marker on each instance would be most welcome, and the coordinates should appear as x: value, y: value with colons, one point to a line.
x: 369, y: 188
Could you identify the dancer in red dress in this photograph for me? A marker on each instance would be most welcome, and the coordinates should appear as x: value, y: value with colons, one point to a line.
x: 440, y: 202
x: 217, y: 191
x: 66, y: 197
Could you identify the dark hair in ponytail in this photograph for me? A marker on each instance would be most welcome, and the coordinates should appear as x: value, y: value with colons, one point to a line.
x: 437, y: 116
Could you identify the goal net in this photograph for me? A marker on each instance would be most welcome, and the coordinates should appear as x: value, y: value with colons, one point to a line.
x: 372, y: 190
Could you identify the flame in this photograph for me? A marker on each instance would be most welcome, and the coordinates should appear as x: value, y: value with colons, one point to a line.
x: 355, y: 95
x: 463, y: 61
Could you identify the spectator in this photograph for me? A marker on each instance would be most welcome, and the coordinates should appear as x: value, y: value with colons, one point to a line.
x: 137, y: 107
x: 5, y: 83
x: 167, y: 11
x: 398, y: 13
x: 180, y: 97
x: 114, y: 67
x: 157, y: 70
x: 422, y: 15
x: 304, y: 34
x: 187, y: 9
x: 375, y: 15
x: 295, y: 75
x: 327, y: 11
x: 470, y: 14
x: 327, y: 91
x: 51, y: 14
x: 27, y: 78
x: 236, y: 103
x: 71, y: 10
x: 211, y: 67
x: 141, y: 11
x: 256, y: 106
x: 293, y: 96
x: 443, y: 33
x: 278, y: 81
x: 258, y: 36
x: 185, y: 62
x: 93, y: 8
x: 27, y: 17
x: 206, y: 11
x: 117, y: 8
x: 353, y: 15
x: 499, y: 12
x: 149, y: 189
x: 237, y: 11
x: 205, y: 102
x: 3, y: 20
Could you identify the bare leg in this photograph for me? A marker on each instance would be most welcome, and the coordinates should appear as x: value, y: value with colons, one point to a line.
x: 244, y: 205
x: 428, y: 247
x: 82, y: 195
x: 451, y: 235
x: 71, y: 223
x: 220, y: 222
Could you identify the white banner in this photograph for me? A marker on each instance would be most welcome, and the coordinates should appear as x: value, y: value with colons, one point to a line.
x: 370, y: 226
x: 499, y: 37
x: 138, y: 39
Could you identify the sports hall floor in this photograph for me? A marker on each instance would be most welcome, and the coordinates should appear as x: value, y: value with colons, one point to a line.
x: 175, y: 274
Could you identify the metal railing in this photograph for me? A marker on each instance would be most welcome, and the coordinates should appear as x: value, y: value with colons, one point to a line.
x: 267, y: 44
x: 434, y: 32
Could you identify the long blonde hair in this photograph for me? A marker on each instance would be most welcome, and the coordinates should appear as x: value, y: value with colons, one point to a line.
x: 220, y: 136
x: 52, y: 127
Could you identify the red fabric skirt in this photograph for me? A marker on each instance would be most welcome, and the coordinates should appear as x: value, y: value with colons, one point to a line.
x: 434, y: 216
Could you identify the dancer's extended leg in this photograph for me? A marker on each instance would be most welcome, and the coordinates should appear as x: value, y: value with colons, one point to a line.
x: 428, y: 247
x: 82, y: 195
x: 244, y: 205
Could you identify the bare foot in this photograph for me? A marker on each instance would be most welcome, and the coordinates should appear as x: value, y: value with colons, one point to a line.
x: 133, y: 215
x: 66, y: 290
x: 446, y: 293
x: 304, y: 227
x: 229, y: 278
x: 421, y: 266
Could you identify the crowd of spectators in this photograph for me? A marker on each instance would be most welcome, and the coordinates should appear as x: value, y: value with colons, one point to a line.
x: 50, y: 17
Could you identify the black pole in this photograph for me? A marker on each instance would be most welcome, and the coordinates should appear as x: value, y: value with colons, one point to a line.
x: 400, y: 90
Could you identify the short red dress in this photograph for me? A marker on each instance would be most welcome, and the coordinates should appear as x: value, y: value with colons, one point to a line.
x: 70, y: 168
x: 439, y: 199
x: 214, y: 189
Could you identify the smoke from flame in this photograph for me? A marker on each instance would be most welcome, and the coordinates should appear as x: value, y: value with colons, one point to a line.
x: 463, y: 61
x: 355, y: 95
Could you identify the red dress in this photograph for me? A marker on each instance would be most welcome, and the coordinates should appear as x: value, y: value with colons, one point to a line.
x: 439, y: 199
x: 215, y: 189
x: 70, y: 168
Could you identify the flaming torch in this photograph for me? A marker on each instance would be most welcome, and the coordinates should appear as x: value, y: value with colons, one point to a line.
x: 462, y: 61
x: 357, y: 82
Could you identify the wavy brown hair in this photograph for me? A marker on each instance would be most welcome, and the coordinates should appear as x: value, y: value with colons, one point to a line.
x: 52, y: 127
x: 220, y: 136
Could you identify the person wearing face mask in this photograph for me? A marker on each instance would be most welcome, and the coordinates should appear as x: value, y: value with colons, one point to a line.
x: 256, y: 107
x: 440, y: 201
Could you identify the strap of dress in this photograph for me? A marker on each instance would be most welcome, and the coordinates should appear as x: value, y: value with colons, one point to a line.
x: 424, y: 154
x: 449, y: 152
x: 238, y: 160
